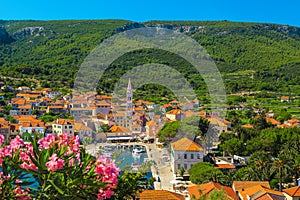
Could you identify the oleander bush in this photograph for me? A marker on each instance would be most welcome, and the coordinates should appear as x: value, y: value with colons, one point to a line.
x: 53, y: 167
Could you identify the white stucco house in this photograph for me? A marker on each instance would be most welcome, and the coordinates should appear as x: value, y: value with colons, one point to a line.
x: 61, y: 126
x: 185, y: 153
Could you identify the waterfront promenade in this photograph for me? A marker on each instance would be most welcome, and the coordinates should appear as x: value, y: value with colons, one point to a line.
x: 161, y: 169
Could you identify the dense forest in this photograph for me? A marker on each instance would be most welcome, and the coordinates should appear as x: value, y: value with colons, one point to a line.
x: 250, y: 56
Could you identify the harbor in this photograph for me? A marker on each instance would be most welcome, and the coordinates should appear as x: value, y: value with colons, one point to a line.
x: 134, y: 154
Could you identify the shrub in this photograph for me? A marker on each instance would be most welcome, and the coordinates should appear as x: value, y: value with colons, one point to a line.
x: 58, y: 167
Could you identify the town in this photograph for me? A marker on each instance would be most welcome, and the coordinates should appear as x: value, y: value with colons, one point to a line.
x: 184, y: 166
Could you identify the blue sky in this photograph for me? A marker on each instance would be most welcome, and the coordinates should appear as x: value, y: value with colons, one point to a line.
x: 271, y: 11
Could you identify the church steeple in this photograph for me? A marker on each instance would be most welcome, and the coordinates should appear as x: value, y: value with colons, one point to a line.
x: 129, y: 105
x: 129, y: 87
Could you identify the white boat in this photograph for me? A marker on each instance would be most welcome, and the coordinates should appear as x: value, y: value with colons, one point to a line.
x: 108, y: 148
x: 137, y: 150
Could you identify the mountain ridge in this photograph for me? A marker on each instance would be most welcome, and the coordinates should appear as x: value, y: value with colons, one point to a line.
x: 272, y: 51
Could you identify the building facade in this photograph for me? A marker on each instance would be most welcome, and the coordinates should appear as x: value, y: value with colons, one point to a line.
x: 185, y: 153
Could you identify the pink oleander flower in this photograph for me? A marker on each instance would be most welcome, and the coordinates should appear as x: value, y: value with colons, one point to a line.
x: 76, y: 144
x: 24, y: 156
x: 63, y: 139
x: 2, y: 139
x: 29, y: 166
x: 105, y: 194
x: 47, y: 142
x: 6, y: 151
x: 27, y: 162
x: 107, y: 173
x: 18, y: 191
x: 16, y: 143
x: 55, y: 163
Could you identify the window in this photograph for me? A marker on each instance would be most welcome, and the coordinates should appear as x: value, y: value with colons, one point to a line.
x: 178, y: 166
x: 185, y: 156
x: 191, y: 165
x: 185, y: 166
x: 70, y: 126
x: 192, y: 156
x: 198, y: 156
x: 66, y: 127
x: 178, y: 156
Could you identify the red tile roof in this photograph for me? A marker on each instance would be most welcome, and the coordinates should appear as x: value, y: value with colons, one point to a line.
x: 175, y: 112
x: 224, y: 166
x: 285, y: 98
x: 160, y: 195
x: 272, y: 121
x: 119, y: 129
x: 63, y: 121
x: 293, y: 192
x: 240, y: 185
x: 247, y: 126
x: 257, y: 191
x: 209, y: 187
x: 268, y: 196
x: 186, y: 144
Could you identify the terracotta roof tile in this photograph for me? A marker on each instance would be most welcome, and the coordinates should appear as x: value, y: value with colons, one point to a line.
x: 33, y: 124
x: 25, y: 107
x: 224, y: 166
x: 55, y: 107
x: 294, y: 191
x: 268, y: 196
x: 80, y: 126
x: 63, y: 121
x: 209, y: 187
x: 285, y: 98
x: 20, y: 101
x: 257, y: 191
x: 151, y: 123
x: 160, y: 195
x: 119, y: 129
x: 240, y: 185
x: 186, y: 144
x: 272, y: 121
x: 175, y: 112
x: 283, y: 126
x: 247, y: 126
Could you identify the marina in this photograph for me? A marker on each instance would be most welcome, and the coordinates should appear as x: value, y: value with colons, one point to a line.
x: 127, y: 160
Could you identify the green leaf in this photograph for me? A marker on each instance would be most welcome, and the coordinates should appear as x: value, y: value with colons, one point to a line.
x: 34, y: 161
x: 48, y: 186
x: 56, y: 187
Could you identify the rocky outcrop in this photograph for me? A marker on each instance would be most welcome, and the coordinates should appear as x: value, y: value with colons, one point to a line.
x: 129, y: 27
x: 31, y: 31
x: 178, y: 28
x: 5, y: 38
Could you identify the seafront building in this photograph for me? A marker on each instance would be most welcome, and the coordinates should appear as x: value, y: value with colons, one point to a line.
x: 184, y: 154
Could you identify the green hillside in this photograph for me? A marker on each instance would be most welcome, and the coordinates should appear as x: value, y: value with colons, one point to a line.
x: 250, y: 56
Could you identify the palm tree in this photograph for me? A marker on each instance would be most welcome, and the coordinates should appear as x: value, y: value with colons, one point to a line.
x: 218, y: 177
x: 283, y: 164
x: 261, y: 164
x: 294, y: 156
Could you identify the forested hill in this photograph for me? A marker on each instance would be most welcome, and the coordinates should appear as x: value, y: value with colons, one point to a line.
x: 251, y: 56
